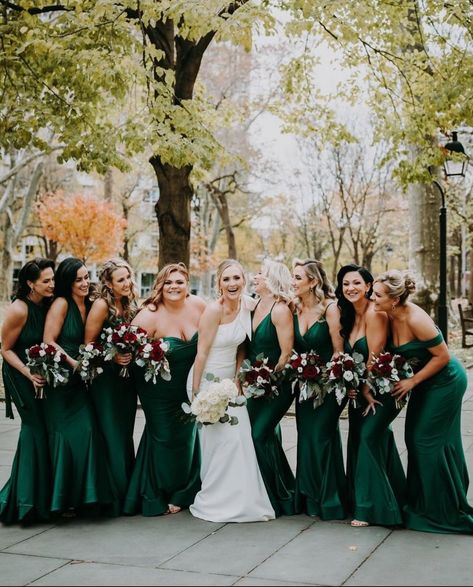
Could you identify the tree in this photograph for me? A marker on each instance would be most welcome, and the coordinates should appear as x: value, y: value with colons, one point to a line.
x: 87, y: 227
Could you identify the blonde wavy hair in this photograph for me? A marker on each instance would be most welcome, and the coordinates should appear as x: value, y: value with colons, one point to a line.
x: 156, y: 296
x: 224, y: 265
x: 104, y: 291
x: 315, y: 270
x: 399, y: 284
x: 278, y: 280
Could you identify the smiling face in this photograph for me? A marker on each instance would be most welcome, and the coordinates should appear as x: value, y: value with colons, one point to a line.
x: 354, y: 287
x: 382, y: 301
x: 259, y: 282
x: 301, y: 282
x: 81, y: 284
x: 121, y: 283
x: 232, y: 283
x: 175, y: 287
x: 43, y: 287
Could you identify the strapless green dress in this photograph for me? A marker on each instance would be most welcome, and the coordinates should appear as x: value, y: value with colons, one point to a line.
x: 114, y: 399
x: 437, y: 475
x: 320, y: 476
x: 376, y: 478
x: 265, y: 415
x: 167, y: 467
x: 26, y: 495
x: 81, y: 474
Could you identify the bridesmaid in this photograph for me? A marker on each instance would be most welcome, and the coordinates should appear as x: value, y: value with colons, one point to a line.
x: 81, y: 477
x: 25, y: 497
x: 114, y: 397
x: 273, y: 335
x: 376, y: 479
x: 166, y: 476
x: 320, y: 474
x: 437, y: 475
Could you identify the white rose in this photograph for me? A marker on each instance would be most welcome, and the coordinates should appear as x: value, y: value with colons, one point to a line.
x: 348, y: 376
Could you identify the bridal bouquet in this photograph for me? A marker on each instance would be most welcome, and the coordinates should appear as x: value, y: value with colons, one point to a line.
x: 49, y: 362
x: 306, y: 371
x: 152, y: 356
x: 386, y: 370
x: 258, y: 379
x: 211, y: 404
x: 122, y: 339
x: 90, y: 361
x: 345, y: 373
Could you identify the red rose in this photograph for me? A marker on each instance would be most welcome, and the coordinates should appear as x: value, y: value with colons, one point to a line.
x: 337, y: 370
x: 310, y: 372
x: 348, y: 364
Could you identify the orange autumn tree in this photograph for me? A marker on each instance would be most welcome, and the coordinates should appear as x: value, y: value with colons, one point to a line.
x: 86, y: 226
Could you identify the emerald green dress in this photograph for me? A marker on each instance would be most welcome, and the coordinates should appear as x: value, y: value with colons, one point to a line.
x: 437, y: 475
x: 114, y: 399
x: 320, y: 474
x: 25, y: 497
x: 167, y: 467
x: 265, y: 415
x: 376, y: 478
x: 81, y: 475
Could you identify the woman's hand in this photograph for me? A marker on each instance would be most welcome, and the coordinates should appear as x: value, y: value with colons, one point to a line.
x: 402, y: 388
x: 122, y: 358
x: 36, y: 380
x: 371, y: 407
x: 352, y: 393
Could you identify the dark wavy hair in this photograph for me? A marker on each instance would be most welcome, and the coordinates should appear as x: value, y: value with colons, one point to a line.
x: 65, y: 276
x: 31, y: 271
x: 347, y: 311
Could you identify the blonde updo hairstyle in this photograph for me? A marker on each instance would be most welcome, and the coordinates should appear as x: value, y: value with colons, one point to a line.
x: 278, y: 280
x: 398, y: 284
x: 224, y: 265
x: 105, y: 292
x: 315, y: 270
x: 156, y: 296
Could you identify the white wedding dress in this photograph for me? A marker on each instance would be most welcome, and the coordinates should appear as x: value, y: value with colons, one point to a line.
x: 232, y: 487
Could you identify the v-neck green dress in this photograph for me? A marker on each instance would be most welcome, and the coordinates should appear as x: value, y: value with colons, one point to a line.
x: 26, y: 495
x: 265, y: 415
x: 114, y: 398
x: 320, y: 475
x: 167, y: 467
x: 437, y: 474
x: 376, y: 478
x: 81, y: 475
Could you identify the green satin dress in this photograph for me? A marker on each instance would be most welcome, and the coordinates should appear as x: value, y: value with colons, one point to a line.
x: 81, y: 475
x: 114, y: 399
x: 437, y: 474
x: 320, y: 475
x: 376, y: 478
x: 26, y: 495
x: 167, y: 467
x: 265, y: 415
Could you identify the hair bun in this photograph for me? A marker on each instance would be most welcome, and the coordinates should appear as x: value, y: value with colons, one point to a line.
x: 409, y: 283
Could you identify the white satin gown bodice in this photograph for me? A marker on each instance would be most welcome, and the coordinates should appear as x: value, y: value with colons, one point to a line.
x: 232, y: 487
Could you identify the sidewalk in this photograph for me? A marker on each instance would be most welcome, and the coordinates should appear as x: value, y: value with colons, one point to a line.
x: 181, y: 550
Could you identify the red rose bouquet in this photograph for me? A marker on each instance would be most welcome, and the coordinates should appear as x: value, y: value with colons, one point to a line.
x: 122, y: 339
x: 152, y: 356
x: 90, y: 361
x: 49, y: 362
x: 306, y: 371
x: 258, y: 379
x: 345, y: 373
x: 386, y: 370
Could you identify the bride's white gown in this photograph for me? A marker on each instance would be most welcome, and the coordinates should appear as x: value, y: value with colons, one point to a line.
x: 232, y: 487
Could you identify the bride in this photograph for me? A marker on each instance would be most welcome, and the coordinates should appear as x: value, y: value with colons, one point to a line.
x: 232, y: 487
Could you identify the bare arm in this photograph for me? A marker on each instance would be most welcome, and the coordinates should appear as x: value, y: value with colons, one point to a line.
x: 53, y: 326
x: 146, y: 319
x: 376, y: 336
x: 208, y: 325
x: 95, y: 320
x: 332, y: 316
x: 15, y: 320
x: 284, y: 323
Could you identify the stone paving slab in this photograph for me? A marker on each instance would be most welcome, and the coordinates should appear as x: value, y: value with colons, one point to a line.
x: 21, y: 570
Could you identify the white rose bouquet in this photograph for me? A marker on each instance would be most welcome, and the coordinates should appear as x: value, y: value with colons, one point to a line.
x: 387, y: 369
x: 49, y: 362
x: 90, y: 361
x: 211, y: 404
x: 345, y: 373
x: 152, y: 356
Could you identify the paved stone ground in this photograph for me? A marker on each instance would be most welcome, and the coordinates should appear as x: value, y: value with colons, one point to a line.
x: 182, y: 550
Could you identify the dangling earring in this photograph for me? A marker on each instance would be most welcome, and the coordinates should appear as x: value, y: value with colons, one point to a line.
x: 393, y: 307
x: 311, y: 289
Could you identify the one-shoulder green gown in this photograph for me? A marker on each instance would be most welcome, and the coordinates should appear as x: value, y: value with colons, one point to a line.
x: 437, y: 475
x: 26, y: 495
x: 376, y: 478
x: 320, y: 475
x: 81, y: 474
x: 167, y: 467
x: 114, y: 399
x: 265, y: 415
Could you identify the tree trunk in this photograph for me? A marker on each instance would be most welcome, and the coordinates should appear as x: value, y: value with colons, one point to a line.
x: 6, y: 273
x: 470, y: 287
x: 424, y: 256
x: 230, y: 234
x: 173, y: 211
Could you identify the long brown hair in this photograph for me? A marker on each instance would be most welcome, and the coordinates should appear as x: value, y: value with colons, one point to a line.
x: 156, y: 296
x: 128, y: 302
